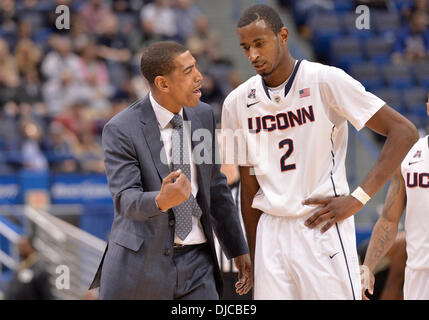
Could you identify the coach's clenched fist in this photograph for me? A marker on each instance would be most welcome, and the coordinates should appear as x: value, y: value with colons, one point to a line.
x: 175, y: 190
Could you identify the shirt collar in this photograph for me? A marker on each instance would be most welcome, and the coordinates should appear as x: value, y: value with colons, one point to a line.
x: 163, y: 115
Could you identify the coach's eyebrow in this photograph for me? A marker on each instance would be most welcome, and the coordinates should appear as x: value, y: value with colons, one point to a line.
x: 189, y: 67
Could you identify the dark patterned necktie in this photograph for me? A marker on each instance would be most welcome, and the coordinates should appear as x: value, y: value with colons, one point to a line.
x: 180, y: 156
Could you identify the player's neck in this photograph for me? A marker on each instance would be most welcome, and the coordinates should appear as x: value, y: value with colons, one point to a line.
x: 281, y: 73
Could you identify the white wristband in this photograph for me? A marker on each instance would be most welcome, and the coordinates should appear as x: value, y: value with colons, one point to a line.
x: 360, y: 195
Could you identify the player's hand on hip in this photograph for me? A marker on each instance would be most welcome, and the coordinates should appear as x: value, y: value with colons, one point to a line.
x: 175, y: 189
x: 367, y: 280
x: 331, y: 210
x: 245, y: 276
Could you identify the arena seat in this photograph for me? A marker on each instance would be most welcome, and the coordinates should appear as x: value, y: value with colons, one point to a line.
x: 392, y: 97
x: 379, y: 49
x: 326, y: 27
x: 386, y: 23
x: 368, y: 73
x: 415, y: 100
x: 346, y: 52
x: 398, y: 76
x: 421, y: 73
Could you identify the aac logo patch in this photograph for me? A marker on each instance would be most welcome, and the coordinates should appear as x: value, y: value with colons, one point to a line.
x: 252, y: 94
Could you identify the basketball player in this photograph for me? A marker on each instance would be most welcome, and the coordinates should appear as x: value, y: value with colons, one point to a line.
x: 409, y: 189
x: 296, y: 208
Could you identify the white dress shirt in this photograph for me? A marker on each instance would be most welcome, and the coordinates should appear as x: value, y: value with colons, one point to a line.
x: 164, y: 117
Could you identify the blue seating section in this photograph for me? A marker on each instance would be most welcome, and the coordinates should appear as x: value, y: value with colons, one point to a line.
x: 366, y: 54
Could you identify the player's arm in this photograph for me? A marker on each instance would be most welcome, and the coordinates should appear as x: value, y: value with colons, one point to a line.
x: 385, y: 230
x: 249, y: 187
x: 401, y: 135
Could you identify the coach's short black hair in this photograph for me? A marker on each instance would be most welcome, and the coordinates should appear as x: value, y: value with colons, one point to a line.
x: 157, y: 59
x: 261, y: 12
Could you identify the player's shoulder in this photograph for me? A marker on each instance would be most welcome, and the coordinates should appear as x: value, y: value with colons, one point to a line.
x: 417, y: 150
x: 422, y: 143
x: 314, y: 68
x: 242, y: 92
x: 321, y: 72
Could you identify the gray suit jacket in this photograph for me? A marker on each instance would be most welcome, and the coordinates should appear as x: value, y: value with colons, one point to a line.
x: 137, y: 263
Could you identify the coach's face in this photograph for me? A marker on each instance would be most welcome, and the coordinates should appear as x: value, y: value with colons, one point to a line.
x: 185, y: 81
x: 262, y: 46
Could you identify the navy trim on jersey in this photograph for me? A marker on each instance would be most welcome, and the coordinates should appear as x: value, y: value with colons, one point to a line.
x: 292, y: 77
x: 345, y: 259
x: 428, y: 142
x: 288, y: 84
x: 336, y: 224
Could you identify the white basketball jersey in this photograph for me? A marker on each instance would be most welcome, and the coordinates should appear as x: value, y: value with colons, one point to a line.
x: 296, y: 140
x: 415, y: 171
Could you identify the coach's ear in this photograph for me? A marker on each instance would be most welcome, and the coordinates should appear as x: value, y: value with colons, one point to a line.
x: 161, y: 83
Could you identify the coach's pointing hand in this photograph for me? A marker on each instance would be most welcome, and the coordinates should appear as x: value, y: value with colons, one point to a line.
x: 175, y: 190
x: 331, y: 210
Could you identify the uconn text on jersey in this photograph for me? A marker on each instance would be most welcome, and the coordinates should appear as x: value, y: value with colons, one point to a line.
x: 280, y: 121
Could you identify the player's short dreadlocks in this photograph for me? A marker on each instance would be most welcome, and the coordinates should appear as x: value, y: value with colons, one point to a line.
x: 261, y: 12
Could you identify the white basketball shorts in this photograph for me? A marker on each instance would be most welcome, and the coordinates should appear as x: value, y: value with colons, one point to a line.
x: 416, y: 284
x: 295, y: 262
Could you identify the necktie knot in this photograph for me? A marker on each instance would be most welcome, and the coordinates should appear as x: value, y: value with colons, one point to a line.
x: 177, y: 121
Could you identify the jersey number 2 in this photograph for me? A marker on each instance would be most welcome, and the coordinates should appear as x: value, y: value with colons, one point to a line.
x: 283, y: 165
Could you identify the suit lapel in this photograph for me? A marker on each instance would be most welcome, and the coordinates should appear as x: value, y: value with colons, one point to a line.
x: 153, y: 137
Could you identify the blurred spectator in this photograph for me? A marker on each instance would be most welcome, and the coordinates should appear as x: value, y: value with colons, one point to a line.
x: 213, y: 95
x: 30, y: 89
x: 58, y: 148
x: 187, y: 13
x: 9, y: 79
x: 8, y: 15
x: 59, y: 87
x: 93, y: 76
x: 114, y: 47
x: 412, y: 43
x: 74, y: 118
x: 121, y: 6
x: 30, y: 281
x: 27, y: 55
x: 78, y: 31
x: 158, y: 21
x: 89, y: 153
x: 418, y: 5
x: 61, y: 58
x: 93, y: 13
x: 32, y: 155
x: 205, y: 42
x: 9, y: 130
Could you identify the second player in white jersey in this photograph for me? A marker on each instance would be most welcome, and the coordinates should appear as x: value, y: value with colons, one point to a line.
x: 296, y: 207
x: 415, y: 172
x: 409, y: 190
x: 305, y: 129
